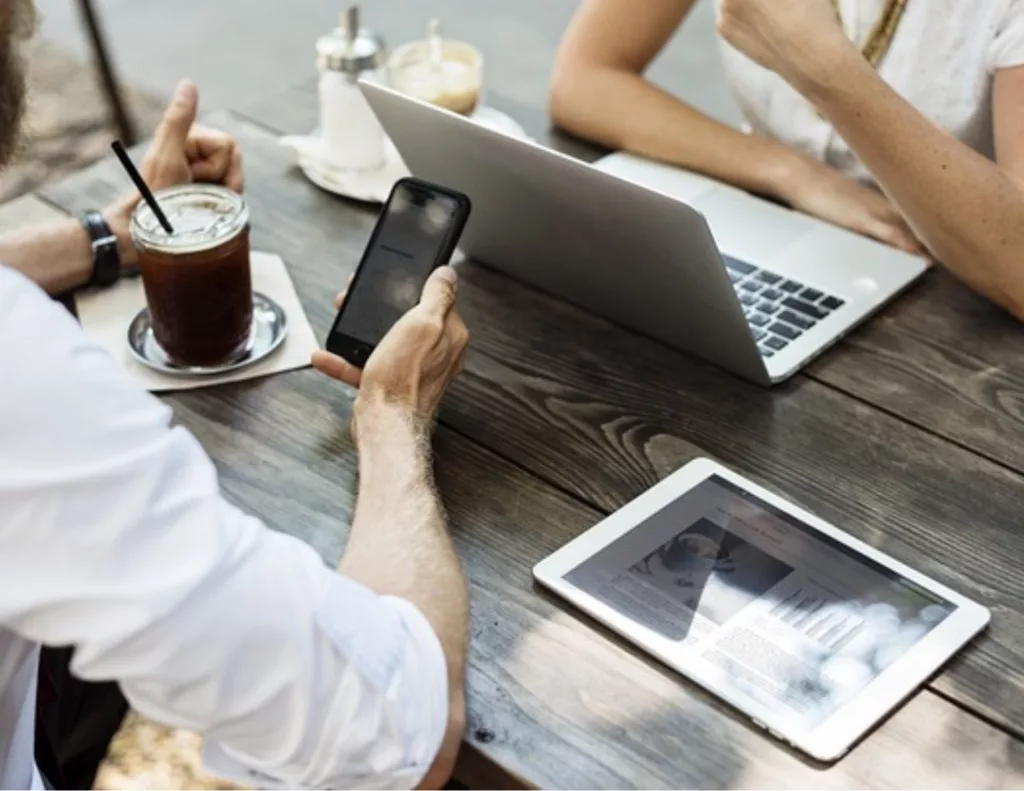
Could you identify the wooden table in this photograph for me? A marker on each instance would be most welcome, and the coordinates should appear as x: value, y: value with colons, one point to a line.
x: 908, y: 435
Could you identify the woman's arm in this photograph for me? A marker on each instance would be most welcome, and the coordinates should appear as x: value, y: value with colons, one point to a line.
x: 598, y: 92
x: 968, y: 210
x: 599, y: 74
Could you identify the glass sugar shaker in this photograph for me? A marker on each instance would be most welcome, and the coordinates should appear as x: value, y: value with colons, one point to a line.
x: 352, y: 136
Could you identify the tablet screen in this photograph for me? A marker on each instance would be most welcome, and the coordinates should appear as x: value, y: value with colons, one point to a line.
x: 763, y: 603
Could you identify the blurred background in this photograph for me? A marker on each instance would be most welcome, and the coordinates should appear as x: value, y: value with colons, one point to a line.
x: 243, y: 52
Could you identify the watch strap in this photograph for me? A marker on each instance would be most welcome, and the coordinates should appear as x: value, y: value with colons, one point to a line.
x: 106, y: 257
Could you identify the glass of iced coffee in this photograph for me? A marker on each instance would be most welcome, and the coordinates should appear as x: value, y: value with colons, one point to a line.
x: 197, y: 280
x: 448, y: 74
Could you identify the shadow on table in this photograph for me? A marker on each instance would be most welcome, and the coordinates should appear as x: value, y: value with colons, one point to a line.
x: 1011, y: 755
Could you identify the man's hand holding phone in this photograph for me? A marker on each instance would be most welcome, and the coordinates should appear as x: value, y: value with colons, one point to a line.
x: 416, y: 362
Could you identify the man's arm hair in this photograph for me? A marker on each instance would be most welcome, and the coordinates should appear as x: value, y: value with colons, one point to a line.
x: 399, y: 546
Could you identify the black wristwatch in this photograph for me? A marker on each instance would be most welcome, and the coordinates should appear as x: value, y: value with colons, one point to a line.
x: 106, y: 258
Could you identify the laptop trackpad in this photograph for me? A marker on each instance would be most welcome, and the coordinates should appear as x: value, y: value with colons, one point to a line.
x: 749, y: 228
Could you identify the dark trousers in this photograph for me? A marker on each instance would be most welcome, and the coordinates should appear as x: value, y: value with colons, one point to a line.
x: 75, y: 722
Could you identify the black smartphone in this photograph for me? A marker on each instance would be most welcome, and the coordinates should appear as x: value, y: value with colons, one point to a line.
x: 415, y: 234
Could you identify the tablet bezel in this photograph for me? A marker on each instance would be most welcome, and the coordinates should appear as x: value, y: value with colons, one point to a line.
x: 831, y: 739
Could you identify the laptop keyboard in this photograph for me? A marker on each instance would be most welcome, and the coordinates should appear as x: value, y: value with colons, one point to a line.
x: 778, y: 310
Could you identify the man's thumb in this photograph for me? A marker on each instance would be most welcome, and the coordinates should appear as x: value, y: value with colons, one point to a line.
x: 180, y: 115
x: 439, y: 291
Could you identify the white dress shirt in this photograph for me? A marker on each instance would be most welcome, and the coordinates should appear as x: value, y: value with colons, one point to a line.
x: 942, y: 60
x: 114, y: 538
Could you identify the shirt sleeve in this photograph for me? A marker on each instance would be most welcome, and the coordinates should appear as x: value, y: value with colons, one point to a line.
x: 1007, y: 49
x: 114, y: 538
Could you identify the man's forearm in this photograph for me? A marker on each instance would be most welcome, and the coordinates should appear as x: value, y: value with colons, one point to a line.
x: 57, y: 255
x: 399, y: 543
x: 964, y: 207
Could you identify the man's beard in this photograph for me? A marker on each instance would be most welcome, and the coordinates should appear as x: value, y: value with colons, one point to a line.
x: 21, y: 24
x: 12, y: 99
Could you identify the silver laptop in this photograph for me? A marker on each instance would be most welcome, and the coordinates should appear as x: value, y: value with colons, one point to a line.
x: 706, y: 268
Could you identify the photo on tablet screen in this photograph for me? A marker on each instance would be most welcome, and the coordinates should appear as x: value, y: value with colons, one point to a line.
x: 761, y: 602
x: 711, y: 571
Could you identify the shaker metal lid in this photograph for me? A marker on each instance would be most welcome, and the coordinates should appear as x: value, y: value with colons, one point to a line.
x: 349, y: 48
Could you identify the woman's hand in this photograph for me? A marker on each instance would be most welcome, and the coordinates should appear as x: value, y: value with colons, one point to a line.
x: 802, y: 40
x: 823, y: 192
x: 793, y: 38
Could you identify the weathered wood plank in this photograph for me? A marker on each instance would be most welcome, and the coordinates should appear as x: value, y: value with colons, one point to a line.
x: 604, y: 414
x: 944, y: 358
x: 26, y: 210
x: 940, y: 357
x: 553, y: 702
x: 608, y: 416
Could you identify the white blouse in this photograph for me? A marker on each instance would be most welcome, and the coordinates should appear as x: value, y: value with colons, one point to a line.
x: 942, y: 60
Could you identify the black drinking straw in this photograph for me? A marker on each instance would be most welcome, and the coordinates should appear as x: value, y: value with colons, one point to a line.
x: 136, y: 177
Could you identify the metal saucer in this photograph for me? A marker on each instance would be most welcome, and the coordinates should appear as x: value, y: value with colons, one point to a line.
x: 269, y: 329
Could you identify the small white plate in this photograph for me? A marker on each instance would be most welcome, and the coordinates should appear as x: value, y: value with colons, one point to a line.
x: 269, y: 329
x: 370, y: 186
x: 374, y: 186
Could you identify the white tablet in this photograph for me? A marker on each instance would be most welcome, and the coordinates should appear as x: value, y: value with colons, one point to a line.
x: 811, y: 633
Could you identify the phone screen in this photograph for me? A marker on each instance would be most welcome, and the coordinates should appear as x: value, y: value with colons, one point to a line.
x: 410, y: 235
